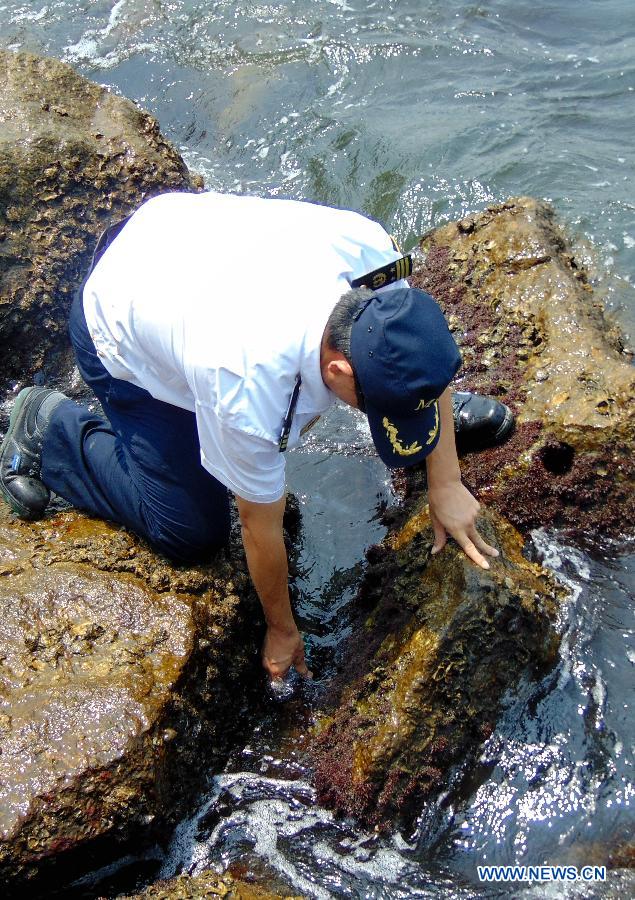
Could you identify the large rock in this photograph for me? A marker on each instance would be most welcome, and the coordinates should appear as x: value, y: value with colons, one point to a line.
x: 531, y: 331
x: 118, y: 690
x: 437, y: 644
x: 74, y: 158
x: 123, y: 680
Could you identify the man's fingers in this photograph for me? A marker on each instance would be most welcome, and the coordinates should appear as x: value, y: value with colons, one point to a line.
x: 277, y: 674
x: 440, y: 535
x: 301, y: 666
x: 482, y: 545
x: 470, y: 550
x: 274, y: 671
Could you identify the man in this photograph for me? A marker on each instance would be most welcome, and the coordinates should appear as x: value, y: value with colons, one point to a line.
x: 214, y: 329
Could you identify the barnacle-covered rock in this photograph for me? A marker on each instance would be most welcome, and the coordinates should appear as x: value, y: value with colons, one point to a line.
x: 437, y: 644
x: 74, y: 158
x: 117, y: 681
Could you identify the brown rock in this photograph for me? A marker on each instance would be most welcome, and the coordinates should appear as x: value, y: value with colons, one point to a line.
x: 439, y: 641
x: 437, y: 645
x: 118, y: 692
x: 531, y: 332
x: 74, y: 158
x: 118, y: 670
x: 208, y: 885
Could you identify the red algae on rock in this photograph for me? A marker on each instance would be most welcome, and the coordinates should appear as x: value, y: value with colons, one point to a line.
x: 437, y: 644
x: 74, y: 158
x: 119, y: 671
x: 114, y: 687
x: 531, y: 333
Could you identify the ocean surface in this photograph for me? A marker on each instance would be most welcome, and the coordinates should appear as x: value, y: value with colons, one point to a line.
x: 414, y: 113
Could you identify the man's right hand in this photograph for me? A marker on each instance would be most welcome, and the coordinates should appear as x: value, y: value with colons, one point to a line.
x: 281, y: 650
x: 267, y: 560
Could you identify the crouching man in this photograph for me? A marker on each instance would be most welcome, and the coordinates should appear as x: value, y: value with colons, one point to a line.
x: 214, y: 329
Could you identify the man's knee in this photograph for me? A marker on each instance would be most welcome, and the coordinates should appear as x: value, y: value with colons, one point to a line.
x: 193, y: 541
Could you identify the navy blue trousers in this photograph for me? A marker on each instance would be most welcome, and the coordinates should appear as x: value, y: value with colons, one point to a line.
x: 140, y: 466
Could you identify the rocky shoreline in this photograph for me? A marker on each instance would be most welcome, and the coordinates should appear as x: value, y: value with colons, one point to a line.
x: 125, y: 681
x: 533, y: 333
x: 438, y: 643
x: 118, y: 671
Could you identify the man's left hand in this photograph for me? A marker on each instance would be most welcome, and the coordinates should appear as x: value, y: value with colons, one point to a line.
x: 453, y: 511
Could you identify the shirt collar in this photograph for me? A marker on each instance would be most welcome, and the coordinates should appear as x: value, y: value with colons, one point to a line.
x: 314, y: 397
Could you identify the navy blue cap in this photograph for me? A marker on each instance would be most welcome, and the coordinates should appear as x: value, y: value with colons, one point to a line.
x: 404, y: 357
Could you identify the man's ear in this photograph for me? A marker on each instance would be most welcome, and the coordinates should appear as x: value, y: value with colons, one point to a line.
x: 339, y: 366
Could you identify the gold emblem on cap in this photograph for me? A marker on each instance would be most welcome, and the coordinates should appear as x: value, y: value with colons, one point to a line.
x: 426, y: 404
x: 395, y: 443
x: 435, y: 428
x: 415, y: 447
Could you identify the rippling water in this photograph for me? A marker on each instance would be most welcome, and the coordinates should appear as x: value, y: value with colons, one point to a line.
x: 414, y: 112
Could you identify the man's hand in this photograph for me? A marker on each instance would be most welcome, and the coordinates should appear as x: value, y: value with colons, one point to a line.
x: 281, y: 650
x: 453, y: 511
x: 267, y: 560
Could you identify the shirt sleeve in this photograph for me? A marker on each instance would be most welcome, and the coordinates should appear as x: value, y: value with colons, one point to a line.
x: 249, y: 466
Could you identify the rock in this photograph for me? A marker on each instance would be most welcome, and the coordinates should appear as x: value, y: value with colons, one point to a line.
x: 438, y: 641
x: 119, y: 672
x: 437, y: 644
x: 74, y: 158
x: 532, y: 333
x: 208, y: 885
x: 118, y: 690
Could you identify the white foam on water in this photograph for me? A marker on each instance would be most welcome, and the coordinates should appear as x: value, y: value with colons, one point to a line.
x: 280, y: 811
x: 573, y: 571
x: 29, y: 15
x: 266, y: 821
x: 89, y: 48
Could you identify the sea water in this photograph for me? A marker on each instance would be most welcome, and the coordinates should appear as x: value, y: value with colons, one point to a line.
x: 414, y: 113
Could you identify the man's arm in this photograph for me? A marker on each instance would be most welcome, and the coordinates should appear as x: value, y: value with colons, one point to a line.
x: 267, y: 560
x: 453, y: 509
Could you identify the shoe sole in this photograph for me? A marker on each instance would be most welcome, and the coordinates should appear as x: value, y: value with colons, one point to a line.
x: 506, y: 428
x: 20, y: 400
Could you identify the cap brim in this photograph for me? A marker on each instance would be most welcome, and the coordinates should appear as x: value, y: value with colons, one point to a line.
x: 405, y: 440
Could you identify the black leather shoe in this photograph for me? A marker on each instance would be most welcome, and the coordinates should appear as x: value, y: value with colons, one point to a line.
x: 21, y: 450
x: 480, y: 422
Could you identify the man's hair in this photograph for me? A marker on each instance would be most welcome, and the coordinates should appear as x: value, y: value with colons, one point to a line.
x: 340, y: 325
x: 340, y: 322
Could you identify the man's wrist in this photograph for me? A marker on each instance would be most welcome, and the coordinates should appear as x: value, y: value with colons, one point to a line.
x: 283, y: 629
x: 444, y: 474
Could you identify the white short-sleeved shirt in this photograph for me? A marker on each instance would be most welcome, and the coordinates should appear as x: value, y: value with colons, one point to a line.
x: 216, y: 303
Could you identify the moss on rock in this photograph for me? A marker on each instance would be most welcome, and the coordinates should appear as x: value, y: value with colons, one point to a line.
x: 437, y: 644
x: 118, y: 691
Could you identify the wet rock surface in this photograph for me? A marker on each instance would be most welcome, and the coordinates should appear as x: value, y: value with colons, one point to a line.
x: 74, y: 158
x: 124, y: 680
x: 117, y: 692
x: 209, y: 884
x: 532, y: 333
x: 437, y: 644
x: 119, y: 672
